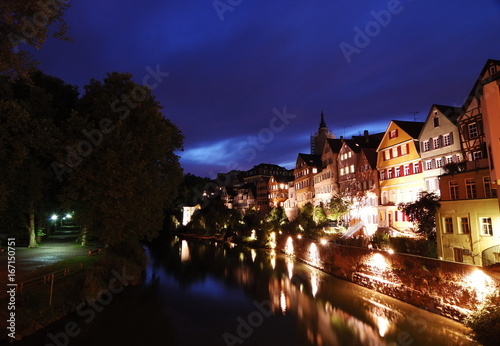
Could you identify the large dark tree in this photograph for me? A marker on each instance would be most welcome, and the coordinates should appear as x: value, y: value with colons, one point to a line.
x: 28, y: 139
x: 120, y: 161
x: 423, y: 213
x: 25, y: 23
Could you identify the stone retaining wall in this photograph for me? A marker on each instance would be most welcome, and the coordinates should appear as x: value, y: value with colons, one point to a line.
x: 446, y: 288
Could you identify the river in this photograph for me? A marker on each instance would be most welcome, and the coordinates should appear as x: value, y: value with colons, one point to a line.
x: 208, y: 293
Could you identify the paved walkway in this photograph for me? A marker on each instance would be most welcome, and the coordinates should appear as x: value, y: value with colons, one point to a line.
x: 53, y: 249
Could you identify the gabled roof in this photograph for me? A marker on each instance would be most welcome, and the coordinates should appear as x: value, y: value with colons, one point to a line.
x: 335, y: 144
x: 450, y: 112
x: 283, y: 179
x: 412, y: 128
x: 480, y: 81
x: 311, y: 159
x: 371, y: 156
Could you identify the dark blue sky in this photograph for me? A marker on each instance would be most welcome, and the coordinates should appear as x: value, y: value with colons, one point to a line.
x: 233, y: 71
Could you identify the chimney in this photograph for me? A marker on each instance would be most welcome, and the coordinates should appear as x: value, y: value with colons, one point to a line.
x: 366, y: 136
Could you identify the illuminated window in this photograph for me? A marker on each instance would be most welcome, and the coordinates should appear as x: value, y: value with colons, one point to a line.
x: 486, y: 226
x: 446, y: 140
x: 470, y: 188
x: 389, y: 173
x: 395, y: 152
x: 407, y: 169
x: 351, y: 169
x: 416, y: 167
x: 382, y: 175
x: 435, y: 143
x: 387, y: 155
x: 397, y: 172
x: 404, y: 149
x: 448, y: 225
x: 489, y: 191
x: 453, y: 189
x: 465, y: 226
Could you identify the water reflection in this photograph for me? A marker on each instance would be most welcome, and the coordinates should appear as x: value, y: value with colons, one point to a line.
x: 309, y: 306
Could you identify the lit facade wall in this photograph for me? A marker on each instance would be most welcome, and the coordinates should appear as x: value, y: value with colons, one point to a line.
x: 400, y: 171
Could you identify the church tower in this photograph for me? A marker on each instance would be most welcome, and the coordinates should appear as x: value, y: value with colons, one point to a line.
x: 319, y: 138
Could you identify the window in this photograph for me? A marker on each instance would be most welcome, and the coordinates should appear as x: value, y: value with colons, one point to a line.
x: 439, y: 163
x: 453, y: 189
x: 387, y: 155
x: 470, y: 188
x: 404, y: 149
x: 389, y: 173
x: 464, y: 225
x: 435, y: 143
x: 425, y: 146
x: 397, y: 172
x: 458, y: 254
x: 473, y: 130
x: 395, y: 152
x: 351, y: 169
x: 477, y: 155
x: 407, y: 169
x: 416, y: 168
x: 382, y: 175
x: 446, y: 140
x: 449, y: 159
x: 393, y: 134
x: 428, y: 165
x: 489, y: 191
x: 448, y: 225
x: 436, y: 121
x: 486, y: 226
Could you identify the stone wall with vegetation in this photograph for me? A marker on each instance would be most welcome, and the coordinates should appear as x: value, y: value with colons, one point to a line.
x: 446, y: 288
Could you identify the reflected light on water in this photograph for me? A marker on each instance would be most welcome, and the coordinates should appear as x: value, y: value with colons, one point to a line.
x: 289, y: 267
x: 254, y: 254
x: 314, y: 283
x: 289, y: 246
x: 383, y: 325
x: 185, y: 255
x: 283, y: 302
x: 273, y: 259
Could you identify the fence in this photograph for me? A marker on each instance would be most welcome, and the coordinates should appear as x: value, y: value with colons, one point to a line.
x: 48, y: 278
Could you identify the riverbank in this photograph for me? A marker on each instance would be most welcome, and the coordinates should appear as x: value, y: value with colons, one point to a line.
x: 449, y: 289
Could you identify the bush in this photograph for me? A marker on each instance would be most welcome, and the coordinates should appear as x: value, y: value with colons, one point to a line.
x: 485, y: 322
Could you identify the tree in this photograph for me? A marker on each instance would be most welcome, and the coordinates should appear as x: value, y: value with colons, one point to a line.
x: 319, y: 215
x: 119, y: 161
x: 337, y: 207
x: 28, y: 139
x: 277, y: 216
x: 423, y: 213
x: 27, y: 22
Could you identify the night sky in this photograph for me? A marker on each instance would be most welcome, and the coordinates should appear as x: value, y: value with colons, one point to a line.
x: 248, y: 81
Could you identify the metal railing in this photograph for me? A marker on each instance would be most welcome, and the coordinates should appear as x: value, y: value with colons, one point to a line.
x: 48, y: 279
x: 491, y: 255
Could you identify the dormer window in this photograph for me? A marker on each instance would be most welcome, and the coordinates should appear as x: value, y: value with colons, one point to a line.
x: 436, y: 121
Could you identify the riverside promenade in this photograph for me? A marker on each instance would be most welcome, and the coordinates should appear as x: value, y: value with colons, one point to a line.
x: 57, y: 247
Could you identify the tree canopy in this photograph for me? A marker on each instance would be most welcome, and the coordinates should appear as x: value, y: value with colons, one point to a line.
x: 28, y: 22
x: 423, y: 213
x: 120, y: 161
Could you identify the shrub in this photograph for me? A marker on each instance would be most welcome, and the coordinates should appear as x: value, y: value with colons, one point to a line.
x: 485, y: 322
